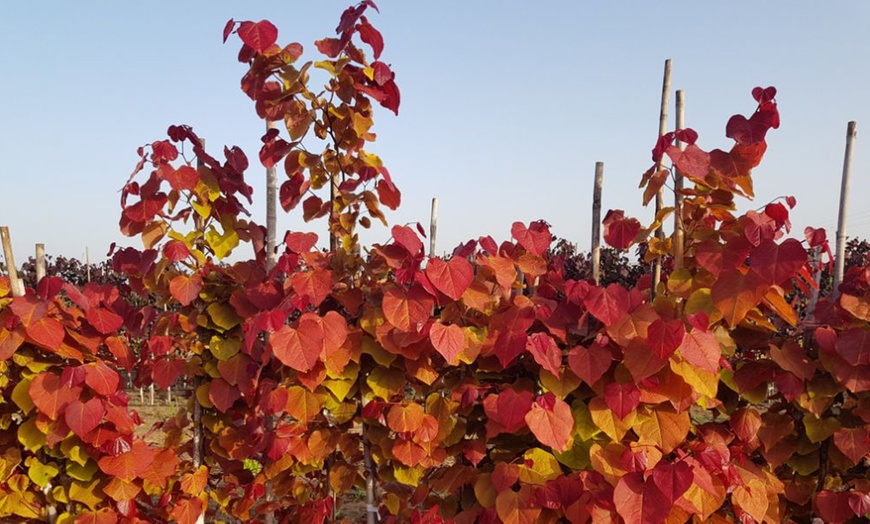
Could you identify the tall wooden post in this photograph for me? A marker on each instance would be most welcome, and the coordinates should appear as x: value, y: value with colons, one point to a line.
x: 15, y: 282
x: 433, y: 227
x: 679, y: 234
x: 844, y: 206
x: 40, y: 262
x: 596, y: 222
x: 660, y: 197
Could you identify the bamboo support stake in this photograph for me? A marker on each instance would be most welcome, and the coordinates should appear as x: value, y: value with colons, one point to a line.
x: 844, y: 206
x: 596, y: 222
x: 660, y: 197
x: 88, y: 263
x: 679, y: 234
x: 198, y: 437
x: 433, y: 227
x: 15, y: 282
x: 271, y: 209
x: 40, y: 262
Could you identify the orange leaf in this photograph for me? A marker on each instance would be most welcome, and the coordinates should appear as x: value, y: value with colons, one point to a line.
x: 187, y: 511
x: 451, y: 277
x: 129, y: 465
x: 50, y: 395
x: 121, y: 490
x: 101, y: 378
x: 84, y: 417
x: 46, y: 332
x: 185, y: 288
x: 405, y: 418
x: 551, y: 421
x: 408, y: 453
x: 735, y: 293
x: 449, y: 341
x: 407, y: 311
x: 515, y: 508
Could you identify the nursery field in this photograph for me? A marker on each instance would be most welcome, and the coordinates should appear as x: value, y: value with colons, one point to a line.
x: 722, y: 377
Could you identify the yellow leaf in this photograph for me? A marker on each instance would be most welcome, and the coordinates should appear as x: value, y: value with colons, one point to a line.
x: 83, y: 473
x: 577, y: 457
x: 408, y: 476
x: 21, y: 395
x: 386, y: 382
x: 706, y: 502
x: 30, y: 436
x: 58, y: 494
x: 543, y: 467
x: 372, y: 348
x: 222, y: 244
x: 608, y: 422
x: 202, y: 396
x: 484, y: 490
x: 86, y: 492
x: 10, y: 459
x: 818, y: 429
x: 701, y: 300
x: 72, y: 448
x: 584, y: 427
x: 560, y: 386
x: 339, y: 388
x: 661, y: 426
x: 607, y: 460
x: 223, y: 348
x: 40, y: 473
x: 702, y: 381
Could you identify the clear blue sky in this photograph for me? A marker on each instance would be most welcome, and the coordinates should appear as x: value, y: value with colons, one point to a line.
x: 506, y: 106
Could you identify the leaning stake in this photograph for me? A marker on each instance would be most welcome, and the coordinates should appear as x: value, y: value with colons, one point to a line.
x: 679, y: 235
x: 596, y: 222
x: 660, y: 197
x: 14, y: 281
x: 844, y: 205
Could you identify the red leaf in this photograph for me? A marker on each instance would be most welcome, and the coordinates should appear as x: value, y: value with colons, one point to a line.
x: 186, y: 511
x: 314, y: 337
x: 84, y: 417
x: 228, y: 28
x: 745, y: 422
x: 389, y: 194
x: 693, y: 161
x: 50, y: 395
x: 764, y: 95
x: 372, y: 37
x: 545, y: 351
x: 105, y: 321
x: 551, y: 421
x: 184, y: 178
x: 448, y: 340
x: 315, y: 284
x: 222, y: 394
x: 535, y: 239
x: 407, y: 310
x: 330, y: 47
x: 622, y: 399
x: 101, y: 378
x: 688, y: 136
x: 185, y: 288
x: 833, y: 506
x: 175, y: 251
x: 258, y: 36
x: 639, y: 502
x: 591, y: 363
x: 508, y: 409
x: 166, y: 372
x: 746, y: 131
x: 735, y: 293
x: 619, y: 231
x: 665, y: 337
x: 672, y: 480
x: 300, y: 242
x: 452, y: 277
x: 854, y: 346
x: 407, y: 238
x: 701, y: 349
x: 853, y: 442
x: 609, y: 304
x: 46, y: 332
x: 49, y: 287
x: 777, y: 263
x: 129, y: 465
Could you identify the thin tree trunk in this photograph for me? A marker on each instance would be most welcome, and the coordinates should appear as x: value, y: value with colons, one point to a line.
x: 271, y: 210
x: 596, y: 222
x: 839, y: 262
x: 15, y: 282
x: 679, y: 234
x: 660, y: 196
x: 433, y: 227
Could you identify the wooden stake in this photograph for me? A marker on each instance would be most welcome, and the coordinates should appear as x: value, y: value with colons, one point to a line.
x: 844, y: 205
x: 197, y: 380
x: 88, y: 263
x: 679, y: 234
x: 596, y: 222
x: 271, y: 209
x: 660, y: 197
x: 40, y: 262
x: 15, y: 282
x: 433, y: 227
